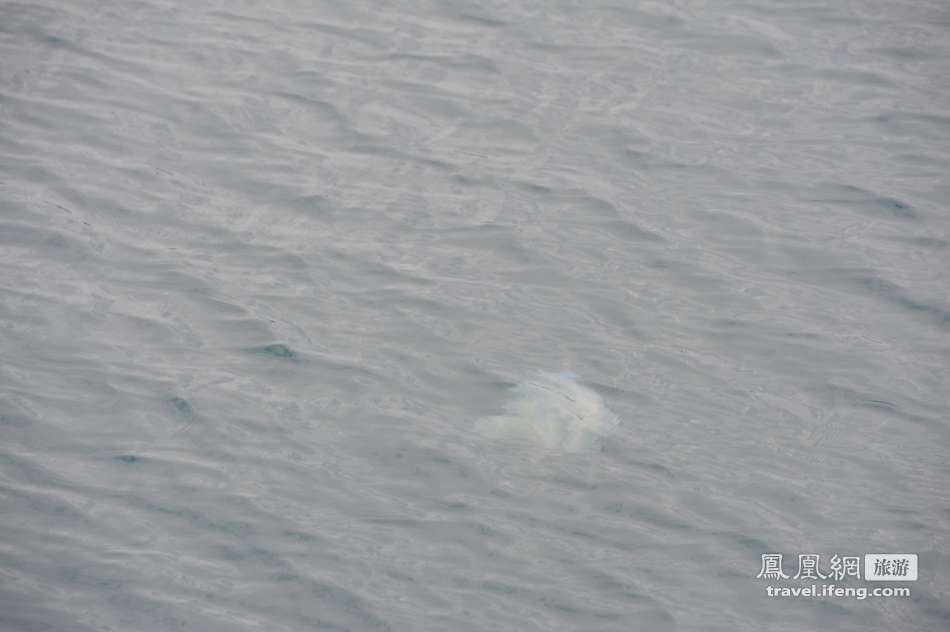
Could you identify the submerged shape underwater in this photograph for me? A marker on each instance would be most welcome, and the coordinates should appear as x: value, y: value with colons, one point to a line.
x: 555, y: 412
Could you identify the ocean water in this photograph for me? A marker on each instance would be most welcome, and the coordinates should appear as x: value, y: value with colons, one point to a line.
x: 269, y: 270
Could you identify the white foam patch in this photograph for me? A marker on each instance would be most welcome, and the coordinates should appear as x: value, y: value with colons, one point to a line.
x: 555, y: 412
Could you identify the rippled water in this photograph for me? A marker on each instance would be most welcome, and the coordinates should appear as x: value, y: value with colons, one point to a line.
x: 265, y: 266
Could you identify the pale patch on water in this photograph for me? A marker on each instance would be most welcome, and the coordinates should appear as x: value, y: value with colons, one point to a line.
x: 555, y: 412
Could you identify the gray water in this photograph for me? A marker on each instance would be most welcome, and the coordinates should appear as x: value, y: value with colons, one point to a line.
x: 267, y: 268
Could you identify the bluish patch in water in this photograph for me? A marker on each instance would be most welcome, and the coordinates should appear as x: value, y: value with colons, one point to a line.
x: 277, y: 350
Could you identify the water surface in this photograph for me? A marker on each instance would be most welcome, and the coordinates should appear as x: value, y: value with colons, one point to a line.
x: 265, y: 266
